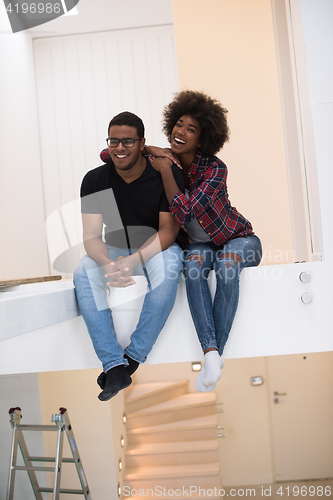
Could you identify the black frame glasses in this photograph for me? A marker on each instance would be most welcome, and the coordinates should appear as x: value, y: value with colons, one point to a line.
x: 128, y: 142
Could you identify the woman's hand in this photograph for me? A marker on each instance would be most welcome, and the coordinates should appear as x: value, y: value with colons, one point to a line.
x: 163, y: 153
x: 159, y: 163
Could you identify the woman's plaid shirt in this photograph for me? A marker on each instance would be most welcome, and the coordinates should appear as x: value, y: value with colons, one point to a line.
x: 209, y: 203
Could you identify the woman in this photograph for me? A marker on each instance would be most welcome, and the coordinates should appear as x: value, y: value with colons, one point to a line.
x: 214, y: 234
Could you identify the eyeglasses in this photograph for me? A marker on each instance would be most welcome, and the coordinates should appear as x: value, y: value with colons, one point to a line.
x: 127, y: 143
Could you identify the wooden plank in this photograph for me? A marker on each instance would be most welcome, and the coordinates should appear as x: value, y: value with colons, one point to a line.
x: 25, y: 281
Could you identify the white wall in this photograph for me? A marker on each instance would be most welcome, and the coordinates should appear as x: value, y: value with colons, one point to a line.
x: 317, y: 18
x: 23, y: 246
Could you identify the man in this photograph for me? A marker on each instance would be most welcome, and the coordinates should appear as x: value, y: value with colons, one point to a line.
x: 127, y: 196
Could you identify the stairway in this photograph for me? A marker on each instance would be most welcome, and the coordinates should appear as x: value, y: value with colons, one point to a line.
x: 171, y: 442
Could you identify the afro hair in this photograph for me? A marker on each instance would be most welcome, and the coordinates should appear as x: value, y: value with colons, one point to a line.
x: 207, y: 111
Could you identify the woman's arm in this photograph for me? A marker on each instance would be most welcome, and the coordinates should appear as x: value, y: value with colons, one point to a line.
x: 213, y: 185
x: 163, y: 166
x: 147, y: 150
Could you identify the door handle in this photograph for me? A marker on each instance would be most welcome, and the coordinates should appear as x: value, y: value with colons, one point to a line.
x: 276, y: 393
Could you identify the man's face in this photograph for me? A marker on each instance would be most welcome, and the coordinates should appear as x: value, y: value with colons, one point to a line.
x: 125, y: 158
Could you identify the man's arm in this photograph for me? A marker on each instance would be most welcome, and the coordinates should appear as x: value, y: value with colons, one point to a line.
x: 97, y: 249
x: 168, y: 229
x: 167, y: 233
x: 92, y: 238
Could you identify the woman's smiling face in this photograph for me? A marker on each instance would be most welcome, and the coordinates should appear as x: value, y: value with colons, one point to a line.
x: 185, y: 136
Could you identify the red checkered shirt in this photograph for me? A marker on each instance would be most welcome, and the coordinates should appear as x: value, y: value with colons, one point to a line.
x: 209, y: 203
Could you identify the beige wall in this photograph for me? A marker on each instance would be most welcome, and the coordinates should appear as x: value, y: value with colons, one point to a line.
x: 97, y: 428
x: 227, y: 49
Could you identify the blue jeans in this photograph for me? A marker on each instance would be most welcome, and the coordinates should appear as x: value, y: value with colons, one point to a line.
x: 213, y: 319
x: 162, y: 272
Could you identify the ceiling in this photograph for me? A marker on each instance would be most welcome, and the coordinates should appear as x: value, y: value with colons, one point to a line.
x: 101, y: 15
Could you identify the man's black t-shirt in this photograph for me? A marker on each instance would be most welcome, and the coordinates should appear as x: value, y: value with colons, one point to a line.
x: 130, y: 211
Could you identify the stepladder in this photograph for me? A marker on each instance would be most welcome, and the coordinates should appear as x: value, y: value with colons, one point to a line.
x: 61, y: 425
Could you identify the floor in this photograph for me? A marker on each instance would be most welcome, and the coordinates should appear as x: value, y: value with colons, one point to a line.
x: 321, y: 488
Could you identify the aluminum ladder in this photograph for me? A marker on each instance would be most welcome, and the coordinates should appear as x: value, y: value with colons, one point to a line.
x: 61, y: 424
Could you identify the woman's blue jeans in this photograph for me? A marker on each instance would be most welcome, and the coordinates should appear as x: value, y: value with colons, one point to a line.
x: 162, y: 272
x: 213, y: 319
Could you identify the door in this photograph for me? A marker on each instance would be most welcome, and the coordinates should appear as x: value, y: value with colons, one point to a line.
x: 302, y: 415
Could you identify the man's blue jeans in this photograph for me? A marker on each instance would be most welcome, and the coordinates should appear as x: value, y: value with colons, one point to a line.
x: 163, y: 271
x: 213, y: 319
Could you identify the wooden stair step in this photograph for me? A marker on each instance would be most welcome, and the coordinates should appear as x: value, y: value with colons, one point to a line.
x: 198, y: 422
x: 171, y: 471
x: 173, y: 476
x: 180, y: 408
x: 199, y: 428
x: 184, y: 401
x: 144, y: 395
x: 139, y: 390
x: 161, y: 448
x: 186, y: 452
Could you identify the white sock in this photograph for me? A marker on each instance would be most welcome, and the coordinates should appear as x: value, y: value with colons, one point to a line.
x: 199, y: 385
x: 203, y: 388
x: 212, y: 368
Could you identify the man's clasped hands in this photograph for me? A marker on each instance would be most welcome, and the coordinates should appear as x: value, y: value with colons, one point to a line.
x: 119, y: 271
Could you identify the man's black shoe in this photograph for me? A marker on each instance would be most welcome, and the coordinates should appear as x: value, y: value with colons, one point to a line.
x: 116, y: 379
x: 130, y: 369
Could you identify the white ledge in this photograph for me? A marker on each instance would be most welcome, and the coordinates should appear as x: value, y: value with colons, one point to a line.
x: 271, y: 320
x: 26, y: 308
